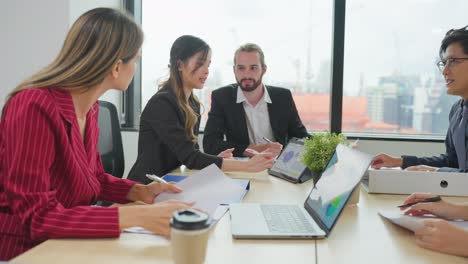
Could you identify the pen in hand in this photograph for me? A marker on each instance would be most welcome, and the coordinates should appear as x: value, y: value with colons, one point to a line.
x: 267, y: 140
x: 155, y: 178
x: 427, y: 200
x: 252, y: 151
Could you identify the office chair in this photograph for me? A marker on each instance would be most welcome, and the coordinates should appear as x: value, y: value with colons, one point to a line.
x: 110, y: 140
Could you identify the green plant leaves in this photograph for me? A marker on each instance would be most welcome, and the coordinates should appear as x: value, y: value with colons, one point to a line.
x: 319, y: 149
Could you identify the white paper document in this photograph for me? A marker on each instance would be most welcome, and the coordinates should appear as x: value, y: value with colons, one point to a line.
x: 211, y: 191
x: 343, y: 175
x: 208, y: 188
x: 257, y: 176
x: 220, y: 211
x: 413, y: 223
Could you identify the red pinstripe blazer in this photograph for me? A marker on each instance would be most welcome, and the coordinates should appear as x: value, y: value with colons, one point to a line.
x: 49, y: 175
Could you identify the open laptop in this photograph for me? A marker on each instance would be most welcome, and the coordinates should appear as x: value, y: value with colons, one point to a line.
x: 288, y: 165
x: 320, y: 212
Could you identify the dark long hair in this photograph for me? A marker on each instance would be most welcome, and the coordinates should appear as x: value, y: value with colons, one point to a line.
x: 182, y: 50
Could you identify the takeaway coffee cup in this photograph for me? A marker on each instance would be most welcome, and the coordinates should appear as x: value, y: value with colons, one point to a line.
x: 189, y: 236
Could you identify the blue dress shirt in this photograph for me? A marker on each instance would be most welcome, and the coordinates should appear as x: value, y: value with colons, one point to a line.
x: 456, y: 148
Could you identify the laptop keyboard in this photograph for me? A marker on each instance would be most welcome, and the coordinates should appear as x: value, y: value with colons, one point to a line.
x: 286, y: 219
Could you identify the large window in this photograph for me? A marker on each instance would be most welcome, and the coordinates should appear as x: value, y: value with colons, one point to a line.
x: 391, y: 86
x: 295, y: 36
x: 391, y: 82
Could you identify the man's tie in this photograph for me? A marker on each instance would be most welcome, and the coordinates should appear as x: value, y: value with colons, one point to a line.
x: 459, y: 136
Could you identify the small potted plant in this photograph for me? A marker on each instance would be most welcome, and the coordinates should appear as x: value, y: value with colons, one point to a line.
x: 318, y: 150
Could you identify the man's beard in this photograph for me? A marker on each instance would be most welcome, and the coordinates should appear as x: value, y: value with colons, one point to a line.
x: 252, y: 87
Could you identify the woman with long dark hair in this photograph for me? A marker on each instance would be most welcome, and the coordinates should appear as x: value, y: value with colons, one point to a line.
x: 170, y: 122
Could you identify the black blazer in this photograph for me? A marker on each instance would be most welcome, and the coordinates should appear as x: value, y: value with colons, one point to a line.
x: 162, y: 143
x: 227, y: 118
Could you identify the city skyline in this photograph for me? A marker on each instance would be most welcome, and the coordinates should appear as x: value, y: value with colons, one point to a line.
x: 380, y: 42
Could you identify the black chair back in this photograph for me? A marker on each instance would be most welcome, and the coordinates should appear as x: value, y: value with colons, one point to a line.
x: 110, y: 140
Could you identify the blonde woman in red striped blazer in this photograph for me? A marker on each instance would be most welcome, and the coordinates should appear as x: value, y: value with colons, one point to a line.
x: 50, y: 168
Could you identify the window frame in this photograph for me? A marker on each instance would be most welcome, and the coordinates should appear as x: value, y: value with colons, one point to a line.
x: 132, y: 100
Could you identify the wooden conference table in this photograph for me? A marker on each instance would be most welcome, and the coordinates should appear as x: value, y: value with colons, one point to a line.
x: 360, y: 236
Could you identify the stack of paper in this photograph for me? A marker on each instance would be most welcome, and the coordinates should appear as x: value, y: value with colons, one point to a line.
x: 208, y: 188
x: 257, y: 176
x: 211, y: 191
x: 413, y: 223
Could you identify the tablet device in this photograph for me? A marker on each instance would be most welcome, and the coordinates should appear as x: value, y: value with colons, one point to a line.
x: 288, y: 165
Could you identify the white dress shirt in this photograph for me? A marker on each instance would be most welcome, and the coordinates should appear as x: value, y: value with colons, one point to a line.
x: 257, y: 118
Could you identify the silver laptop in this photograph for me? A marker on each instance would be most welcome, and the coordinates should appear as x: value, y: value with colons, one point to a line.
x: 320, y: 212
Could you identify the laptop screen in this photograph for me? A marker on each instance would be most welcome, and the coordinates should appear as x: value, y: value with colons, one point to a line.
x: 330, y: 194
x: 289, y: 162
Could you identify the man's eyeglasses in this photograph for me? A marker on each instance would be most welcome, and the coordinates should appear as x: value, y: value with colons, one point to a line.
x: 449, y: 63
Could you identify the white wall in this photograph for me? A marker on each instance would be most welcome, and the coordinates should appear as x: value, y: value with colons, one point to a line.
x: 33, y: 33
x: 78, y: 7
x: 130, y: 146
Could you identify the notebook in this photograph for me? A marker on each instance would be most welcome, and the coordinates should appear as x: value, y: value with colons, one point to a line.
x: 321, y: 210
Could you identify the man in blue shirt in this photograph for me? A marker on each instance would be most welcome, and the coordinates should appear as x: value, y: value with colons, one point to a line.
x: 454, y: 66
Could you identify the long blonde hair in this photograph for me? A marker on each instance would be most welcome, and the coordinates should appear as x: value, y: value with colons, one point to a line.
x: 183, y: 48
x: 95, y: 43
